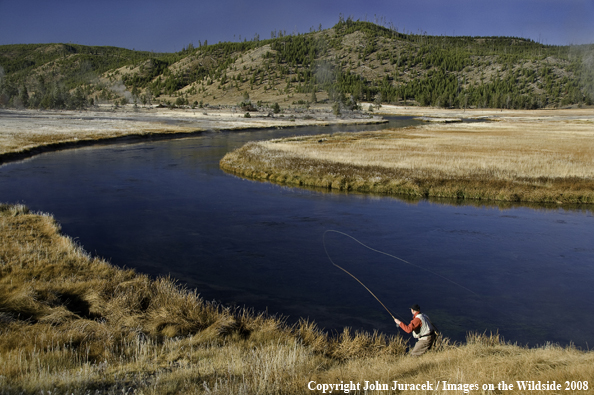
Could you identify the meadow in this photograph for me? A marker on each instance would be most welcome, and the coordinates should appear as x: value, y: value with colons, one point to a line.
x: 520, y: 158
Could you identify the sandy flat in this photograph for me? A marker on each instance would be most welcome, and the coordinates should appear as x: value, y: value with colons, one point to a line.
x: 25, y: 130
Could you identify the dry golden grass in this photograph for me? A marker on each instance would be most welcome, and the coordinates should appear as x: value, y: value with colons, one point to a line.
x: 517, y: 159
x: 73, y: 324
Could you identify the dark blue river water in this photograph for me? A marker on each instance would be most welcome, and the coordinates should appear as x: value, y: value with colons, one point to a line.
x: 165, y: 207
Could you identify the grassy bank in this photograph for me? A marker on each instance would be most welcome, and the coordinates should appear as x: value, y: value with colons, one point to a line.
x: 513, y: 159
x: 71, y: 323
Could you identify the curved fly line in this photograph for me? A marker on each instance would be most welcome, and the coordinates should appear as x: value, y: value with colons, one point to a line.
x: 383, y: 253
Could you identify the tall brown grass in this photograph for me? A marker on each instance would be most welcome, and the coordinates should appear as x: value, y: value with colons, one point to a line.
x: 74, y: 324
x: 511, y: 160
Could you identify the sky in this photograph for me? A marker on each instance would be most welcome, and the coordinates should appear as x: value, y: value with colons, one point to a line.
x: 170, y: 25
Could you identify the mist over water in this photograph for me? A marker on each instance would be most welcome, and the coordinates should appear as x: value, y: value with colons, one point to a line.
x: 165, y: 207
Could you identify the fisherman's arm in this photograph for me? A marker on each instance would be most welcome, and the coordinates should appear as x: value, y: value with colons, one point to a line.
x: 414, y: 324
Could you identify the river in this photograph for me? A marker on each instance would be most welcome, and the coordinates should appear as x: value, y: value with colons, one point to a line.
x: 164, y: 207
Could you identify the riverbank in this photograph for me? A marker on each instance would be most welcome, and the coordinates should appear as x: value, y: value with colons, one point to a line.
x: 28, y: 132
x: 72, y: 323
x: 529, y: 156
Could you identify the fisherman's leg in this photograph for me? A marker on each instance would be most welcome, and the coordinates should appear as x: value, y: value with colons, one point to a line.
x: 421, y: 346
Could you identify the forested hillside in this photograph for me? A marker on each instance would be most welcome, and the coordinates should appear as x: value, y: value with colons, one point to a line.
x: 351, y: 62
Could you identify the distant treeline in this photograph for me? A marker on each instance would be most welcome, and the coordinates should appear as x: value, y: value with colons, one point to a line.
x: 46, y: 96
x: 58, y: 76
x: 383, y: 66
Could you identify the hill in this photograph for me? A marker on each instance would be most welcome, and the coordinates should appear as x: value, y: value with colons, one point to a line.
x: 351, y: 62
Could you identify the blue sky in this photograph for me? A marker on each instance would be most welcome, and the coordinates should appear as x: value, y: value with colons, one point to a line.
x: 169, y: 25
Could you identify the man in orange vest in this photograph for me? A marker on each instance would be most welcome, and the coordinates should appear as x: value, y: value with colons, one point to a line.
x: 421, y: 328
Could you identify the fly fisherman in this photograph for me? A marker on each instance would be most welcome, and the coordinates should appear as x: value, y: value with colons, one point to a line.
x: 421, y: 328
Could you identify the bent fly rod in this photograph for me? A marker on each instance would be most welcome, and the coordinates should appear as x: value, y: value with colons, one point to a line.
x: 384, y: 253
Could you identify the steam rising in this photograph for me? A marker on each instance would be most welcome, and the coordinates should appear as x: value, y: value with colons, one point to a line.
x: 585, y: 57
x: 120, y: 89
x: 587, y: 76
